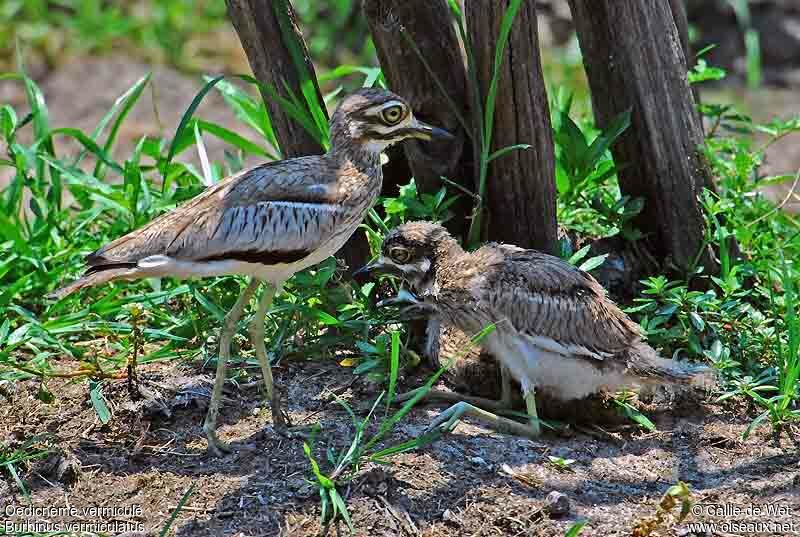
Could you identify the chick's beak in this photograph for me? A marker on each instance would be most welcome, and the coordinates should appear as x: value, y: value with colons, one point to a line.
x: 379, y: 266
x: 404, y: 298
x: 424, y: 131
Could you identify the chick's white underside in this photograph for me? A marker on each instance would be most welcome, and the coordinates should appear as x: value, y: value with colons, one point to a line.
x: 534, y: 362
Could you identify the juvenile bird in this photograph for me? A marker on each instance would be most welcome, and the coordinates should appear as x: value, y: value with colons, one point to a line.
x: 555, y: 329
x: 267, y: 222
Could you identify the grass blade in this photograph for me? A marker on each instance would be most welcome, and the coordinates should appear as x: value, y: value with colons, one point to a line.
x: 187, y: 116
x: 90, y: 146
x: 178, y: 508
x: 99, y: 403
x: 208, y: 176
x: 500, y: 152
x: 388, y: 424
x: 235, y: 139
x: 394, y: 366
x: 308, y: 86
x: 124, y: 104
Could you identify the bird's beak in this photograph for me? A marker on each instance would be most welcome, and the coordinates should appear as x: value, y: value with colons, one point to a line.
x: 424, y: 131
x: 379, y: 266
x: 404, y: 298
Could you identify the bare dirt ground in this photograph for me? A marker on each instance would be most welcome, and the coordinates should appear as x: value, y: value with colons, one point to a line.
x: 149, y: 455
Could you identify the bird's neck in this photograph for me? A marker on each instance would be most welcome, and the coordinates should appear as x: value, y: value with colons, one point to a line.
x: 359, y: 173
x: 446, y: 253
x: 355, y: 155
x: 447, y: 250
x: 344, y: 148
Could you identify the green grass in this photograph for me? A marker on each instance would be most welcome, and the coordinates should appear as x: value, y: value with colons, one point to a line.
x: 13, y: 460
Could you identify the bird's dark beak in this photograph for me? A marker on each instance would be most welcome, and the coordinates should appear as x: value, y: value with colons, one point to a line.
x: 410, y: 307
x: 404, y: 298
x: 379, y: 266
x: 424, y: 131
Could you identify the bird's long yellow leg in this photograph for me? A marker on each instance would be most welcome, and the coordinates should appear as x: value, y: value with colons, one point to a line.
x: 505, y: 387
x: 447, y: 421
x: 215, y: 446
x: 477, y: 407
x: 454, y: 397
x: 504, y: 403
x: 257, y: 338
x: 533, y: 415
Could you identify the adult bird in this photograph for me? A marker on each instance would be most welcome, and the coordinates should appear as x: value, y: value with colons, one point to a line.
x: 267, y: 222
x: 555, y: 328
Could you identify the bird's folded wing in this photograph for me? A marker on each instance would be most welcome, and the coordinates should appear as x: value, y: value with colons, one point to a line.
x: 276, y: 213
x: 557, y: 304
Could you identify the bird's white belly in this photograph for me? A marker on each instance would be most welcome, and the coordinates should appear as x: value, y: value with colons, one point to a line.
x: 562, y: 377
x: 162, y: 266
x: 158, y: 266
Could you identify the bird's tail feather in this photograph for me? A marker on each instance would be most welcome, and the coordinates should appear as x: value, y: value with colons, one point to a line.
x: 646, y: 364
x: 90, y: 280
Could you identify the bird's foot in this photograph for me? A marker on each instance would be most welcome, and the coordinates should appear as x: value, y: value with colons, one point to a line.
x: 216, y: 447
x: 280, y: 418
x: 303, y: 432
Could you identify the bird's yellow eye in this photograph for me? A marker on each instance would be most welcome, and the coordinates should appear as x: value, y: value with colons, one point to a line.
x: 392, y: 114
x: 400, y: 255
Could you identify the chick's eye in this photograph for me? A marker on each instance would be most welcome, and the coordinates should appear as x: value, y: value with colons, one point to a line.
x: 401, y: 255
x: 393, y: 114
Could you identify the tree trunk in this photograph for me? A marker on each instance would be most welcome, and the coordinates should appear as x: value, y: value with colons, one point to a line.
x: 678, y: 9
x: 428, y: 25
x: 634, y: 60
x: 521, y: 187
x: 258, y: 26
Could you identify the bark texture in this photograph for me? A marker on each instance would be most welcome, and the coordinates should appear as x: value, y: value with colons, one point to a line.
x: 634, y: 60
x: 429, y: 25
x: 259, y: 30
x: 521, y: 187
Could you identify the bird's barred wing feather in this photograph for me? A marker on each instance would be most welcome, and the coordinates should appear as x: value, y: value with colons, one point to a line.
x: 275, y: 213
x: 555, y: 303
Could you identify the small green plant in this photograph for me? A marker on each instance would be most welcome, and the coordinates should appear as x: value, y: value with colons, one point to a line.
x: 589, y: 200
x: 702, y: 71
x: 678, y: 494
x: 586, y: 265
x: 561, y: 464
x: 12, y: 459
x: 576, y: 529
x: 778, y: 393
x: 623, y: 400
x: 363, y: 447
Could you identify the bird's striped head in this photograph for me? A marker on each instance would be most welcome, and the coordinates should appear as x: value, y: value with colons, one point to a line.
x: 373, y: 119
x: 412, y: 252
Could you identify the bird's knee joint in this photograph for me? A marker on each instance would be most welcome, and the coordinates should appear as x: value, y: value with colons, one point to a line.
x: 461, y: 407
